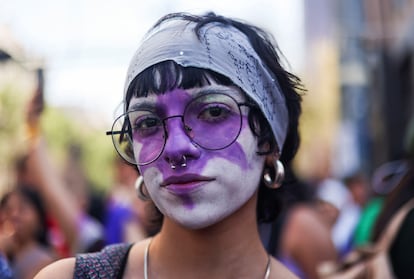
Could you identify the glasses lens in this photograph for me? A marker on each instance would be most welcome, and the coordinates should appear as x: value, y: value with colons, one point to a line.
x: 121, y: 138
x: 213, y: 121
x: 147, y: 135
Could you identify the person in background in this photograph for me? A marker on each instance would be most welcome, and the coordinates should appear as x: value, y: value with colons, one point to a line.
x: 5, y: 270
x: 358, y: 186
x: 373, y: 204
x: 299, y: 237
x: 91, y: 229
x: 27, y: 247
x: 340, y: 211
x: 125, y: 218
x: 25, y: 176
x: 210, y: 118
x: 401, y: 253
x: 67, y: 208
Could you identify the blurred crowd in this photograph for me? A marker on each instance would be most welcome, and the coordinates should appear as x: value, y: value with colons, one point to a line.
x: 49, y: 215
x: 327, y: 219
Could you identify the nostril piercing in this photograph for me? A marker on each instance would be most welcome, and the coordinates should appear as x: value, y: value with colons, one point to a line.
x: 183, y: 164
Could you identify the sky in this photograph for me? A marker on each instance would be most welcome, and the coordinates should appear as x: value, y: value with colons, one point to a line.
x: 87, y: 44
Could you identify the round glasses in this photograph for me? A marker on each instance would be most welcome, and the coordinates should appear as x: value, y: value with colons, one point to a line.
x: 212, y: 121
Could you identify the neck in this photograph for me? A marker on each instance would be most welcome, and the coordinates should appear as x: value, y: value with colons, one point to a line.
x: 229, y: 249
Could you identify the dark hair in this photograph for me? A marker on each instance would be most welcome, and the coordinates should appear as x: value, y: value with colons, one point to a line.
x: 31, y: 196
x: 176, y: 76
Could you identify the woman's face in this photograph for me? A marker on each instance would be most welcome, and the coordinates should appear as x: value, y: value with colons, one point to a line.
x: 213, y: 184
x: 22, y: 216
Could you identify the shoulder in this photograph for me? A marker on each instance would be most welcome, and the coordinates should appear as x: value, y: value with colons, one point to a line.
x: 60, y: 269
x: 305, y: 218
x: 135, y: 262
x: 303, y: 212
x: 305, y: 228
x: 109, y: 261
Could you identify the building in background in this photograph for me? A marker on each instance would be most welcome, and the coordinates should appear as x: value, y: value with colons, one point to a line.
x: 321, y: 102
x: 360, y: 76
x: 377, y: 77
x: 391, y: 46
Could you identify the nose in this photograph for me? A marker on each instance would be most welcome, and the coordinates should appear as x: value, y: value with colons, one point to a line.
x: 178, y: 143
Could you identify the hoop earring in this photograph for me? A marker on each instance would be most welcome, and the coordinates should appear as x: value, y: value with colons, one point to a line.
x: 139, y: 185
x: 279, y: 173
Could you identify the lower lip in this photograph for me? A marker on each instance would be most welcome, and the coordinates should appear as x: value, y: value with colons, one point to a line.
x: 184, y: 189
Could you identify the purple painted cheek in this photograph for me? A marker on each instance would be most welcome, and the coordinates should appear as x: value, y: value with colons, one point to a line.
x: 149, y: 148
x: 170, y: 103
x: 215, y: 134
x: 235, y: 152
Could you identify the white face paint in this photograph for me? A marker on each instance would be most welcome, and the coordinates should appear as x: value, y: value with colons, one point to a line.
x: 214, y: 183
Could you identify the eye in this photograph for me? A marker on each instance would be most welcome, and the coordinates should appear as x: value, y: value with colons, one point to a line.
x: 214, y: 113
x: 147, y: 122
x: 147, y: 125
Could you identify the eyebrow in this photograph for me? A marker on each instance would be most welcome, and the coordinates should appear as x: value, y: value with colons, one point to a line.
x: 145, y: 105
x: 231, y: 91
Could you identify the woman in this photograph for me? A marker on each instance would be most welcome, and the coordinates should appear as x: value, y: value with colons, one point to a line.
x: 300, y: 236
x: 400, y: 251
x: 27, y: 246
x: 211, y: 115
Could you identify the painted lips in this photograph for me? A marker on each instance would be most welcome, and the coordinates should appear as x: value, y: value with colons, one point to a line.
x: 185, y: 184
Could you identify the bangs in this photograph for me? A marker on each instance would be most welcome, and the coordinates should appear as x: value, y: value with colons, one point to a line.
x: 168, y: 75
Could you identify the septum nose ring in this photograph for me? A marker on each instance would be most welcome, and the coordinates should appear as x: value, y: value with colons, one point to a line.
x: 183, y: 164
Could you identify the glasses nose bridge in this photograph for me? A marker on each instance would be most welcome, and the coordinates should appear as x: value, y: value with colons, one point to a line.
x: 165, y: 123
x: 173, y: 116
x: 177, y: 140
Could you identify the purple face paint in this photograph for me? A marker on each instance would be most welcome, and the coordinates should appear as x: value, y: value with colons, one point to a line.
x: 185, y: 186
x: 178, y: 136
x: 149, y: 136
x: 212, y: 121
x: 229, y: 176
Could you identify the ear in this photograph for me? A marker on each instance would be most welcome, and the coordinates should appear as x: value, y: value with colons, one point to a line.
x: 270, y: 159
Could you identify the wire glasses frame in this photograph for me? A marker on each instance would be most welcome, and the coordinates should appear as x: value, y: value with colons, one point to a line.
x: 211, y: 121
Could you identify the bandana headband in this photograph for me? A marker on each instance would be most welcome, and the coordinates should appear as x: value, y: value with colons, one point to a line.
x: 222, y: 49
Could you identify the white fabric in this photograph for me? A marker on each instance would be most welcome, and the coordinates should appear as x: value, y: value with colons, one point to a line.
x: 219, y: 48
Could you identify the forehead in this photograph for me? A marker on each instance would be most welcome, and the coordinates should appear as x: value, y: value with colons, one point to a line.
x: 183, y: 96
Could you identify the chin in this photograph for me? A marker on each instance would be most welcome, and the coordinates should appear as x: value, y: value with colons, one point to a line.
x: 198, y: 223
